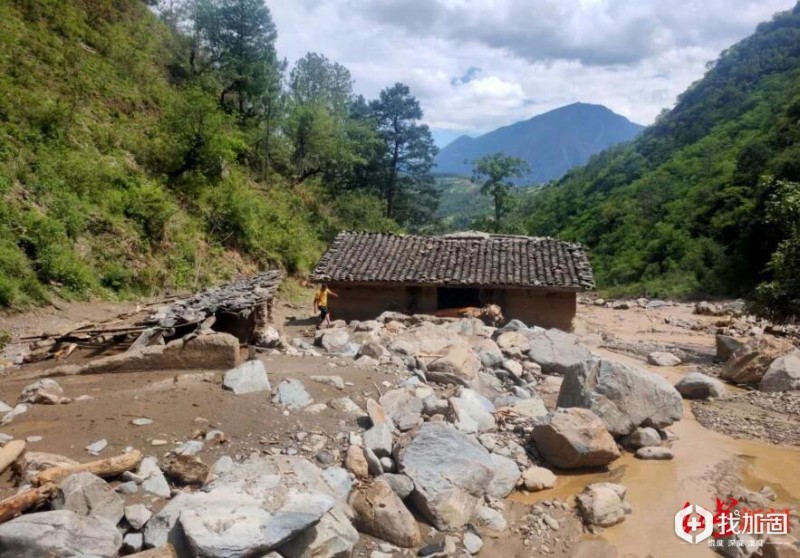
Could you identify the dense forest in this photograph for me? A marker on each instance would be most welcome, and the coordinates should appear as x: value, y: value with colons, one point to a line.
x: 157, y: 144
x: 706, y: 200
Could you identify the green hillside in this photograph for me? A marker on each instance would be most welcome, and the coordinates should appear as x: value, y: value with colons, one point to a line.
x: 698, y: 203
x: 134, y: 157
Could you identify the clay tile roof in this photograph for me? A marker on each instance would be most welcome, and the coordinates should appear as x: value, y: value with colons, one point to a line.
x: 461, y: 259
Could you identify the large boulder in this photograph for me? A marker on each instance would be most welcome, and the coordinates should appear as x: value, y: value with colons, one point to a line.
x: 574, y: 438
x: 251, y: 509
x: 783, y: 374
x: 381, y: 513
x: 248, y: 377
x: 513, y: 341
x: 489, y: 352
x: 749, y: 364
x: 556, y: 351
x: 451, y: 473
x: 459, y: 365
x: 87, y: 494
x: 696, y: 385
x: 624, y: 397
x: 59, y: 533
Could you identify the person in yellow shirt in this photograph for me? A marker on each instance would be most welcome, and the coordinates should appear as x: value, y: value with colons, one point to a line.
x: 321, y: 305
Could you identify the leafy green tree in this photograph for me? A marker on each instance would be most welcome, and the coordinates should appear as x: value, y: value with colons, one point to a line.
x: 317, y: 80
x: 236, y: 38
x: 780, y: 297
x: 408, y: 156
x: 494, y: 171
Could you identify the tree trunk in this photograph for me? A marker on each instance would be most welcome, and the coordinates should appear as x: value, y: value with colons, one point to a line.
x: 109, y: 467
x: 391, y: 190
x: 14, y: 506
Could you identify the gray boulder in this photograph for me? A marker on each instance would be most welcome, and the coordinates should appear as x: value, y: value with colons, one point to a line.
x: 292, y: 394
x: 696, y: 385
x: 490, y: 354
x: 87, y: 494
x: 641, y: 438
x: 59, y: 533
x: 574, y: 438
x: 451, y: 473
x: 372, y: 349
x: 624, y: 397
x: 401, y: 484
x: 45, y: 392
x: 379, y: 438
x: 253, y: 508
x: 662, y: 358
x: 506, y: 475
x: 654, y: 452
x: 726, y: 346
x: 783, y: 374
x: 248, y: 377
x: 556, y: 351
x: 153, y: 479
x: 333, y: 340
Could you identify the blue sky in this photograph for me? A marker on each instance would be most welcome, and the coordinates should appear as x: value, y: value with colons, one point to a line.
x: 477, y: 65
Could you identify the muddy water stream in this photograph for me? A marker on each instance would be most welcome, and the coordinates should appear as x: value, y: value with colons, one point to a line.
x: 658, y: 489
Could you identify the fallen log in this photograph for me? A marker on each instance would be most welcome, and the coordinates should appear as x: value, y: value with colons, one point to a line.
x: 16, y: 505
x: 109, y: 467
x: 166, y: 551
x: 10, y: 453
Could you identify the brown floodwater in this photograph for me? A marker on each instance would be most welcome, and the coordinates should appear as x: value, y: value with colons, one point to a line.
x: 659, y: 489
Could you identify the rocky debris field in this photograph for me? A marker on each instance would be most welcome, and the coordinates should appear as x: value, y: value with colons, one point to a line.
x: 402, y: 436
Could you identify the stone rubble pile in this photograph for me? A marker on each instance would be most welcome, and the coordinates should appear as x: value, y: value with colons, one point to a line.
x: 477, y: 413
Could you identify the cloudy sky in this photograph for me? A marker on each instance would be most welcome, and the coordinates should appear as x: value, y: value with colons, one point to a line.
x: 479, y: 64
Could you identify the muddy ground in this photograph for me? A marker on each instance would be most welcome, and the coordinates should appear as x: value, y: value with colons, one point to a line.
x: 745, y: 439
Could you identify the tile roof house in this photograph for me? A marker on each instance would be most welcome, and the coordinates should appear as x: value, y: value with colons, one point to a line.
x: 533, y: 279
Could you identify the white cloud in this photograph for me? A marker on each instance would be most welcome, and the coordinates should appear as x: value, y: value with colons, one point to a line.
x: 475, y: 66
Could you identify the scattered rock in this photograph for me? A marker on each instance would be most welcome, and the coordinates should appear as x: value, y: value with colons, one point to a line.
x: 191, y: 447
x: 533, y: 407
x: 401, y: 484
x: 339, y: 481
x: 459, y: 365
x: 624, y: 397
x: 59, y: 533
x: 13, y: 413
x: 141, y: 421
x: 133, y: 542
x: 356, y: 463
x: 661, y: 358
x: 333, y: 340
x: 654, y: 452
x: 450, y: 471
x: 696, y: 385
x: 333, y: 381
x: 137, y: 515
x: 43, y: 392
x: 96, y: 447
x: 473, y: 412
x: 472, y: 542
x: 491, y: 519
x: 186, y: 469
x: 574, y: 438
x: 153, y: 480
x: 292, y: 394
x: 87, y: 494
x: 249, y: 377
x: 379, y: 437
x: 347, y: 405
x: 373, y: 462
x: 372, y: 349
x: 783, y: 374
x: 752, y: 360
x: 641, y: 438
x: 603, y: 504
x: 380, y: 512
x: 538, y: 478
x: 403, y: 407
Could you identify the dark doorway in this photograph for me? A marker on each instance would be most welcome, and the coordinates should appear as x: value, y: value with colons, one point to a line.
x: 457, y: 297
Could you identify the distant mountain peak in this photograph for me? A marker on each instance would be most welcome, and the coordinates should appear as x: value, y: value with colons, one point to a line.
x: 552, y: 143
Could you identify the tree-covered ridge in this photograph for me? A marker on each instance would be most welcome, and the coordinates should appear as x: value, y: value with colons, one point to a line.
x: 139, y: 152
x: 683, y: 208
